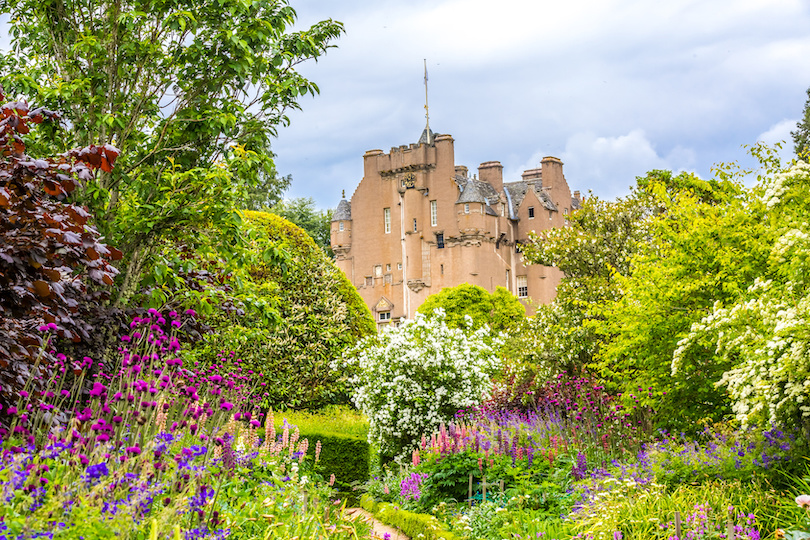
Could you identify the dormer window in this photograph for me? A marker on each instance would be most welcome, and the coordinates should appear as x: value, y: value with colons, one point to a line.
x: 340, y: 226
x: 531, y: 212
x: 466, y: 208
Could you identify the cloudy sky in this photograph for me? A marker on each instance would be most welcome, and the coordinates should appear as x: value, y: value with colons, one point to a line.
x: 612, y: 87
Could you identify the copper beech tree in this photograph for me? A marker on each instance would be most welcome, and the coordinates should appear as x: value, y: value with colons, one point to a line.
x: 53, y: 267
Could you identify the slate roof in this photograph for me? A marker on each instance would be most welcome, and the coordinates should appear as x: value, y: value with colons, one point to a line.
x: 343, y: 212
x: 424, y: 139
x: 518, y: 190
x: 545, y: 200
x: 576, y: 204
x: 477, y: 191
x: 471, y: 193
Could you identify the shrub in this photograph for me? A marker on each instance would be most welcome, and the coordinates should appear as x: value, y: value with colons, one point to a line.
x: 320, y: 314
x: 345, y: 456
x: 412, y: 378
x: 413, y: 525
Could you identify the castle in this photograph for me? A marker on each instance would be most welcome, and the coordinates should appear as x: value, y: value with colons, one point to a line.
x: 418, y: 223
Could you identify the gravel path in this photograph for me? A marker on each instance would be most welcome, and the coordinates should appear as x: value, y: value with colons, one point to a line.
x: 379, y: 529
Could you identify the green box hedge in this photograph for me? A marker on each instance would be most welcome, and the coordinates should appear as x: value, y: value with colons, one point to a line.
x: 345, y: 456
x: 411, y: 524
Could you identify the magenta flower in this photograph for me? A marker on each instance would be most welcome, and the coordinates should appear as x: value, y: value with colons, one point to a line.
x: 98, y: 389
x: 226, y: 406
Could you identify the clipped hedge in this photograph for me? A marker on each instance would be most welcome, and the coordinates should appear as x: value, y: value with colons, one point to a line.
x: 346, y: 456
x: 411, y: 524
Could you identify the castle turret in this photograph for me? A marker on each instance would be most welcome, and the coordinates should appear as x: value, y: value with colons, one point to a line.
x: 341, y: 227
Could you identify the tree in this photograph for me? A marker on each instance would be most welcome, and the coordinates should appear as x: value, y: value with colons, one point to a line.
x: 190, y: 93
x: 764, y: 336
x: 500, y: 310
x: 801, y: 137
x: 599, y: 242
x: 302, y: 212
x: 702, y: 249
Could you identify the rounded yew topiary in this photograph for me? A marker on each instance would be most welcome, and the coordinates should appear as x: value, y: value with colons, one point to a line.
x: 320, y: 314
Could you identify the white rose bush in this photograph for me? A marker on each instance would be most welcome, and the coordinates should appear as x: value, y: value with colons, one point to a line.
x: 410, y: 379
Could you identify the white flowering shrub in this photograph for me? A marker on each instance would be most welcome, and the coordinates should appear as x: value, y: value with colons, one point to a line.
x: 766, y: 334
x: 410, y: 379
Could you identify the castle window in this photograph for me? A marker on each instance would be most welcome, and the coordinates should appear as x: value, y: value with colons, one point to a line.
x: 369, y: 281
x: 387, y: 267
x: 508, y: 280
x: 442, y: 268
x: 550, y: 214
x: 531, y: 212
x: 378, y: 271
x: 466, y: 208
x: 399, y: 266
x: 434, y: 214
x: 503, y: 210
x: 340, y: 226
x: 387, y: 219
x: 414, y: 224
x: 385, y: 316
x: 440, y: 240
x: 522, y: 287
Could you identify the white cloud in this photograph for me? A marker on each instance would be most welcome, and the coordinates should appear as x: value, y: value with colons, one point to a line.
x: 779, y: 132
x: 610, y: 165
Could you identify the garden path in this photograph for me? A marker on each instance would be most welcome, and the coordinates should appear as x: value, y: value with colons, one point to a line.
x: 379, y: 529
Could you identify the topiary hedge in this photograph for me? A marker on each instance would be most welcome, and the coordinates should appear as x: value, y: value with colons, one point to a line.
x: 411, y: 524
x: 320, y: 314
x: 346, y: 456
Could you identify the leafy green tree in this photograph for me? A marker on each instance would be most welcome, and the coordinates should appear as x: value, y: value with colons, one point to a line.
x: 264, y: 194
x: 500, y: 310
x: 801, y: 137
x: 702, y: 249
x: 597, y: 245
x: 764, y: 336
x: 190, y: 94
x: 302, y: 212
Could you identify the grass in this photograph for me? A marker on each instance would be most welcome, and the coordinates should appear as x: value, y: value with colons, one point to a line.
x: 333, y: 419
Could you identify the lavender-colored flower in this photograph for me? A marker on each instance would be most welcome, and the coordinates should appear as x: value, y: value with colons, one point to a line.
x: 93, y: 473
